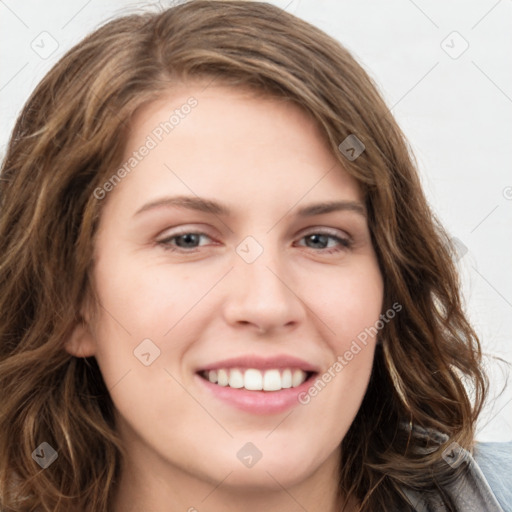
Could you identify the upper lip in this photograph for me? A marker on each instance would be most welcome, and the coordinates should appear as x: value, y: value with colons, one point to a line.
x: 261, y: 363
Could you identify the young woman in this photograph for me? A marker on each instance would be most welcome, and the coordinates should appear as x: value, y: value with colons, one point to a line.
x: 222, y: 288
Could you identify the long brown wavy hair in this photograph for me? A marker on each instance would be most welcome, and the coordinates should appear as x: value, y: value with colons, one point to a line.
x: 68, y: 140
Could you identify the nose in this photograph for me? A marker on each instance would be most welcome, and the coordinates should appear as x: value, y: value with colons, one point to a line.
x: 263, y: 295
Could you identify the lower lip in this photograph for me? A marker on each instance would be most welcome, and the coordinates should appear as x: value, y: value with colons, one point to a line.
x: 257, y: 402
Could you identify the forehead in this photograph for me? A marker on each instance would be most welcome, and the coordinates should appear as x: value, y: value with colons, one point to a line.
x: 230, y: 142
x: 239, y: 106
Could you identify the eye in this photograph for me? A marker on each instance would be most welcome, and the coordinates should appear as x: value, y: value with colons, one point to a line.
x: 322, y: 237
x: 184, y: 241
x: 187, y: 241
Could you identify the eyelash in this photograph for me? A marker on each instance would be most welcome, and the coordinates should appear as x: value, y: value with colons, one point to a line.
x: 346, y: 243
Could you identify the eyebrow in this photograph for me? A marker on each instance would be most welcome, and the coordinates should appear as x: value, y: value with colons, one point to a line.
x: 213, y: 207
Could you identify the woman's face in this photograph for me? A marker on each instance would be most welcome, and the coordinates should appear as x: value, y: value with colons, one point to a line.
x: 241, y: 276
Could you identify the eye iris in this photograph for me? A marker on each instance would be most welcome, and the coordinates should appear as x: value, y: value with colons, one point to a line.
x: 187, y: 237
x: 316, y: 237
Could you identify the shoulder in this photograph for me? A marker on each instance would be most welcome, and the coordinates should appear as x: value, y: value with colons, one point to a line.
x: 495, y: 462
x: 483, y: 483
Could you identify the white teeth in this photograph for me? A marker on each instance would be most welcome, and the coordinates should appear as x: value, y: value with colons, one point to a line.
x: 222, y: 378
x: 257, y: 380
x: 253, y: 380
x: 286, y: 379
x: 297, y: 378
x: 236, y: 379
x: 272, y: 380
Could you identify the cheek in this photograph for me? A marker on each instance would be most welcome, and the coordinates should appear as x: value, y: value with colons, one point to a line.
x: 139, y: 302
x: 146, y: 301
x: 140, y: 323
x: 351, y: 305
x: 348, y: 301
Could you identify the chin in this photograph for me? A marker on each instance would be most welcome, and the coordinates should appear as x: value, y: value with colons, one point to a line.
x: 265, y: 478
x: 275, y: 469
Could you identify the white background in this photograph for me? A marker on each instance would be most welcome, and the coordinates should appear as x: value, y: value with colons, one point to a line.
x: 456, y: 113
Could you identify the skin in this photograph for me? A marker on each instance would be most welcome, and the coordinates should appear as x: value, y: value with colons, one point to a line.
x: 263, y: 158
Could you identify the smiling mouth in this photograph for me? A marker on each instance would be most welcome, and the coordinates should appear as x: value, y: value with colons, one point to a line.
x: 253, y: 379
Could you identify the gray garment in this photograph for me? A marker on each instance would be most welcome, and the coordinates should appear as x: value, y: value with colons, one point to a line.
x: 485, y: 484
x: 495, y: 461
